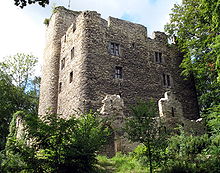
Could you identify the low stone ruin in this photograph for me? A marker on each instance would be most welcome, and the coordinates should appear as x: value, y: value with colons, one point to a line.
x: 171, y: 113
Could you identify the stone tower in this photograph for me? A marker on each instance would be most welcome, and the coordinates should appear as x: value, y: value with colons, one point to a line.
x: 87, y: 57
x: 60, y: 21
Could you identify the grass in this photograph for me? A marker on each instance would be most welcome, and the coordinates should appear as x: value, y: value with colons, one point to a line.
x: 120, y: 164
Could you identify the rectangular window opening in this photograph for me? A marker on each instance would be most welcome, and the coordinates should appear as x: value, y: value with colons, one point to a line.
x: 166, y: 80
x: 71, y: 77
x: 62, y: 63
x: 118, y: 72
x: 133, y: 45
x: 60, y: 87
x: 158, y: 57
x: 117, y: 49
x: 114, y: 49
x: 173, y: 111
x: 72, y: 53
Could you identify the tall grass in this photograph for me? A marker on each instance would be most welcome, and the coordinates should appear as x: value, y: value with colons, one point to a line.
x: 121, y: 163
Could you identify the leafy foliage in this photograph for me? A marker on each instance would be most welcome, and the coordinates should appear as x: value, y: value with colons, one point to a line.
x: 23, y: 3
x: 46, y: 21
x: 187, y: 153
x: 196, y: 27
x: 213, y: 118
x: 14, y: 97
x: 196, y: 24
x: 20, y: 68
x: 143, y: 126
x: 120, y: 163
x: 54, y: 144
x: 140, y: 151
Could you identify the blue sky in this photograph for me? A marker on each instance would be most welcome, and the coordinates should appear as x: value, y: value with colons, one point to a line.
x: 22, y: 30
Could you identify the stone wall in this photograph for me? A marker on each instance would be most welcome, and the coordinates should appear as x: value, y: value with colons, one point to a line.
x: 82, y: 55
x: 59, y: 23
x: 113, y: 110
x: 171, y: 114
x: 93, y: 65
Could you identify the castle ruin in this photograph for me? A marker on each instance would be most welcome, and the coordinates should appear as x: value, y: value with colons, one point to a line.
x: 87, y: 58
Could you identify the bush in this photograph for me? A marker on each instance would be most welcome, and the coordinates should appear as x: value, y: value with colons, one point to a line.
x: 178, y: 167
x: 140, y: 151
x: 197, y: 154
x: 46, y: 21
x: 121, y: 163
x: 54, y: 144
x: 144, y: 126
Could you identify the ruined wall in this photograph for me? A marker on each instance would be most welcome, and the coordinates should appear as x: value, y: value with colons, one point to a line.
x: 92, y: 65
x: 142, y: 76
x: 113, y: 109
x: 107, y: 65
x: 171, y: 58
x: 172, y: 115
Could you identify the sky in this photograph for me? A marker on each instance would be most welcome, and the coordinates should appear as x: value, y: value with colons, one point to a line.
x: 23, y: 31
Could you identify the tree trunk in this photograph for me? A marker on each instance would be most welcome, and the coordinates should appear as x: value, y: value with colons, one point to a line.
x: 149, y: 155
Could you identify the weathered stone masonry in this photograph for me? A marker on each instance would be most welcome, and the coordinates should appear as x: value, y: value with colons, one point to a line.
x: 87, y: 58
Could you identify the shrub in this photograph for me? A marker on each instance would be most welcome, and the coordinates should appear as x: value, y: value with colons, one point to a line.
x: 54, y: 144
x: 121, y: 163
x: 197, y: 154
x: 140, y: 152
x: 46, y: 21
x: 143, y: 126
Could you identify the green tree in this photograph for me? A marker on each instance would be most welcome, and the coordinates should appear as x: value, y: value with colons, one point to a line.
x: 195, y: 25
x: 20, y: 68
x: 12, y: 98
x: 54, y: 144
x: 15, y: 93
x: 211, y: 10
x: 213, y: 119
x: 143, y: 126
x: 188, y: 153
x: 23, y: 3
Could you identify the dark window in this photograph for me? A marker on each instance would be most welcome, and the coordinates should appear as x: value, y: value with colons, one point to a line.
x: 74, y: 28
x: 118, y: 72
x: 173, y: 111
x: 114, y: 49
x: 60, y: 87
x: 72, y: 53
x: 167, y: 80
x: 65, y: 38
x: 120, y: 94
x: 158, y: 57
x: 71, y: 77
x: 133, y: 45
x: 164, y: 79
x: 62, y: 63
